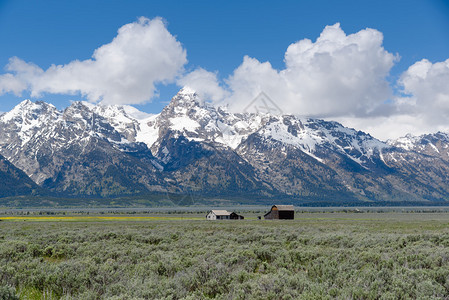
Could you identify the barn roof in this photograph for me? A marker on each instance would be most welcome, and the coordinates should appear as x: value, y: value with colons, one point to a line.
x: 284, y: 207
x: 219, y: 212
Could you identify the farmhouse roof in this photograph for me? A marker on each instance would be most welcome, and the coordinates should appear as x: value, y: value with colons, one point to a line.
x: 219, y: 212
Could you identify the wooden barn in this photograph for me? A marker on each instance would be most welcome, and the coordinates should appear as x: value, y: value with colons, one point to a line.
x: 216, y: 214
x: 280, y: 212
x: 235, y: 216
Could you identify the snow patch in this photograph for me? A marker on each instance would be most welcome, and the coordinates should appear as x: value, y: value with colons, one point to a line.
x: 182, y: 123
x: 148, y: 132
x: 135, y: 113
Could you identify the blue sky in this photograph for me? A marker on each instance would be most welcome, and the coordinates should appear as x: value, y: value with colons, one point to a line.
x: 217, y: 35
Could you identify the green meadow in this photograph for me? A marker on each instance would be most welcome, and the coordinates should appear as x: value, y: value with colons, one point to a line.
x: 332, y: 255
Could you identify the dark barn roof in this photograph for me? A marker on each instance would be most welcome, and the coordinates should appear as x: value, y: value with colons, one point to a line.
x: 284, y: 207
x: 281, y: 212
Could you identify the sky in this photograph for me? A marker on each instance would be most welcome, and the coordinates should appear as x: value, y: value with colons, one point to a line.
x: 377, y: 66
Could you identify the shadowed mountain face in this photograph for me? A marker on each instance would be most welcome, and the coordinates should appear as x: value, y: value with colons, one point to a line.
x: 14, y: 182
x: 89, y: 150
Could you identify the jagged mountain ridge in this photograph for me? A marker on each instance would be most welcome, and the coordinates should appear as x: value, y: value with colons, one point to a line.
x: 73, y: 152
x: 191, y: 146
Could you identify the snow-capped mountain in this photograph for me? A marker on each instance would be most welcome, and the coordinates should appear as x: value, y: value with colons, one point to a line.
x: 204, y: 123
x: 74, y: 151
x: 194, y: 147
x: 436, y: 144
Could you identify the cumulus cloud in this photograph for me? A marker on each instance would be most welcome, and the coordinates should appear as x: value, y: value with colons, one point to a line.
x: 389, y: 127
x: 124, y: 71
x: 337, y: 75
x: 422, y: 106
x: 205, y: 83
x: 10, y: 84
x: 20, y: 81
x: 427, y: 86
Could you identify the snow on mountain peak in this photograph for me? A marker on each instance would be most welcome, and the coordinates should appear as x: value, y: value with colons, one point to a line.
x: 25, y: 103
x: 407, y: 142
x: 27, y: 117
x: 430, y: 144
x: 27, y: 110
x: 186, y: 90
x: 186, y: 97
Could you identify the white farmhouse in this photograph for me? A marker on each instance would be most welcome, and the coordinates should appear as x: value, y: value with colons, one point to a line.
x: 218, y: 215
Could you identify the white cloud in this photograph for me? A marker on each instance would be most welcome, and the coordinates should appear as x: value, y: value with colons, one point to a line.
x: 10, y: 84
x: 337, y: 75
x: 427, y: 85
x: 253, y: 77
x: 124, y: 71
x: 205, y: 83
x: 390, y: 127
x: 18, y: 82
x: 423, y: 107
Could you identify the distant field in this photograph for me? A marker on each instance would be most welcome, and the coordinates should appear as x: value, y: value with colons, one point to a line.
x: 94, y: 218
x: 181, y: 256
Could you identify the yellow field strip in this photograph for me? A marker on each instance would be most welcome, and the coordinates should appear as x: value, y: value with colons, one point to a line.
x: 96, y: 218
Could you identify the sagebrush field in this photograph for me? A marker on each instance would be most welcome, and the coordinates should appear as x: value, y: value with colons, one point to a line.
x: 316, y: 256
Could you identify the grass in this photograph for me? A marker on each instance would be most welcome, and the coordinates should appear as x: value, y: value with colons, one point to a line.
x: 316, y: 256
x: 95, y: 218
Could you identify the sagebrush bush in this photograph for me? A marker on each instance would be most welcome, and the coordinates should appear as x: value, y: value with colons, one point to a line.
x: 8, y: 293
x: 301, y: 259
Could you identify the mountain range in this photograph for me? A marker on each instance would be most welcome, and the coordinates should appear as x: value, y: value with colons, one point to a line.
x: 206, y: 152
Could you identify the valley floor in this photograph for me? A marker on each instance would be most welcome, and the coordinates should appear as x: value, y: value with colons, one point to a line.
x: 318, y: 255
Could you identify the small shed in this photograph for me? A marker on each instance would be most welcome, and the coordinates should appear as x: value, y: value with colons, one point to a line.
x: 216, y: 214
x: 280, y: 212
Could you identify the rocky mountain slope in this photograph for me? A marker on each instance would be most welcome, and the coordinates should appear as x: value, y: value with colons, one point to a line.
x: 74, y: 152
x: 14, y: 182
x: 194, y: 148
